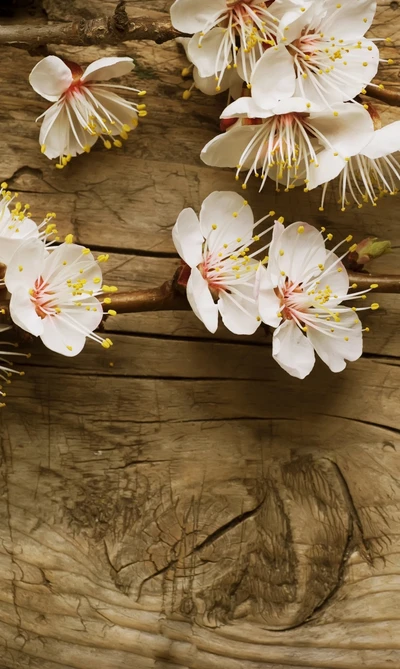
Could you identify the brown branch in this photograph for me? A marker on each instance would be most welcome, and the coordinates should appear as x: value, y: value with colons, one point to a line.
x: 163, y: 298
x: 386, y: 283
x: 388, y: 96
x: 168, y: 298
x: 101, y: 31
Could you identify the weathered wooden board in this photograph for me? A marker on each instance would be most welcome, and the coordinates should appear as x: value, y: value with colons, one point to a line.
x: 177, y: 502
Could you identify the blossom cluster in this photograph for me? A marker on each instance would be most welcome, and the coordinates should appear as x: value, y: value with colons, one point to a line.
x: 55, y: 288
x: 294, y: 70
x: 281, y: 276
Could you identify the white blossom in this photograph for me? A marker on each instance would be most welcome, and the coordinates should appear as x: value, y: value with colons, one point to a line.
x: 301, y: 293
x: 283, y: 142
x: 323, y: 58
x: 84, y: 109
x: 54, y: 294
x: 216, y: 246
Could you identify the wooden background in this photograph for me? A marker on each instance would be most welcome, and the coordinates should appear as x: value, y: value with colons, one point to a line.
x: 177, y: 502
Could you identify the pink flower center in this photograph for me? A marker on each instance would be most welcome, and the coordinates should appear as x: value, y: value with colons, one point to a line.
x: 42, y: 298
x: 77, y: 73
x: 290, y: 305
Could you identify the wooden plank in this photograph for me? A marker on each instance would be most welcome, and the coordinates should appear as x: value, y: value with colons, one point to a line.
x: 190, y: 506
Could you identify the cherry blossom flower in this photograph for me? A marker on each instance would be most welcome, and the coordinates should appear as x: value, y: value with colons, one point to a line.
x: 323, y: 58
x: 367, y: 176
x: 282, y: 143
x: 301, y: 293
x: 216, y: 247
x: 53, y: 294
x: 84, y: 109
x: 220, y: 25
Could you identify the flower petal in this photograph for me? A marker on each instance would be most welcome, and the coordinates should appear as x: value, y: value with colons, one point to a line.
x: 239, y: 314
x: 27, y: 265
x: 187, y: 237
x: 335, y: 350
x: 245, y: 107
x: 273, y: 77
x: 191, y: 16
x: 329, y: 167
x: 269, y: 304
x: 384, y: 141
x: 209, y: 59
x: 292, y: 350
x: 226, y: 150
x: 201, y: 301
x: 107, y: 68
x: 23, y: 313
x: 60, y: 130
x: 336, y: 278
x: 66, y: 333
x: 225, y: 217
x: 299, y: 254
x: 68, y: 261
x: 349, y: 20
x: 51, y: 77
x: 347, y: 130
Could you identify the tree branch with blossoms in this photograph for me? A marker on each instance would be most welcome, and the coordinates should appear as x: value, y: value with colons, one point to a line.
x: 119, y: 28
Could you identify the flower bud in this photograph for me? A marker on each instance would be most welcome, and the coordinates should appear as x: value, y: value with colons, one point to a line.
x: 367, y: 250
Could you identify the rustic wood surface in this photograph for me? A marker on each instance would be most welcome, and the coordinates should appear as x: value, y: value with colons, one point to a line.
x: 177, y: 502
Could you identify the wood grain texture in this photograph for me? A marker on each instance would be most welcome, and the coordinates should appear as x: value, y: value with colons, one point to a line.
x: 177, y: 502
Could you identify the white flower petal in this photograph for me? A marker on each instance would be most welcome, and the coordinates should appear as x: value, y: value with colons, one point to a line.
x: 209, y: 58
x: 292, y: 350
x: 273, y: 77
x: 201, y: 301
x: 23, y: 313
x: 226, y: 150
x: 107, y: 68
x: 300, y: 253
x: 384, y: 141
x: 51, y: 77
x: 294, y: 21
x: 328, y: 168
x: 27, y: 264
x: 334, y: 351
x: 238, y: 314
x: 269, y: 303
x: 297, y: 104
x: 191, y: 16
x: 348, y: 132
x: 337, y: 279
x: 350, y: 20
x: 67, y: 260
x: 245, y: 107
x: 65, y: 333
x: 233, y: 219
x: 59, y: 131
x: 273, y: 268
x: 187, y: 237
